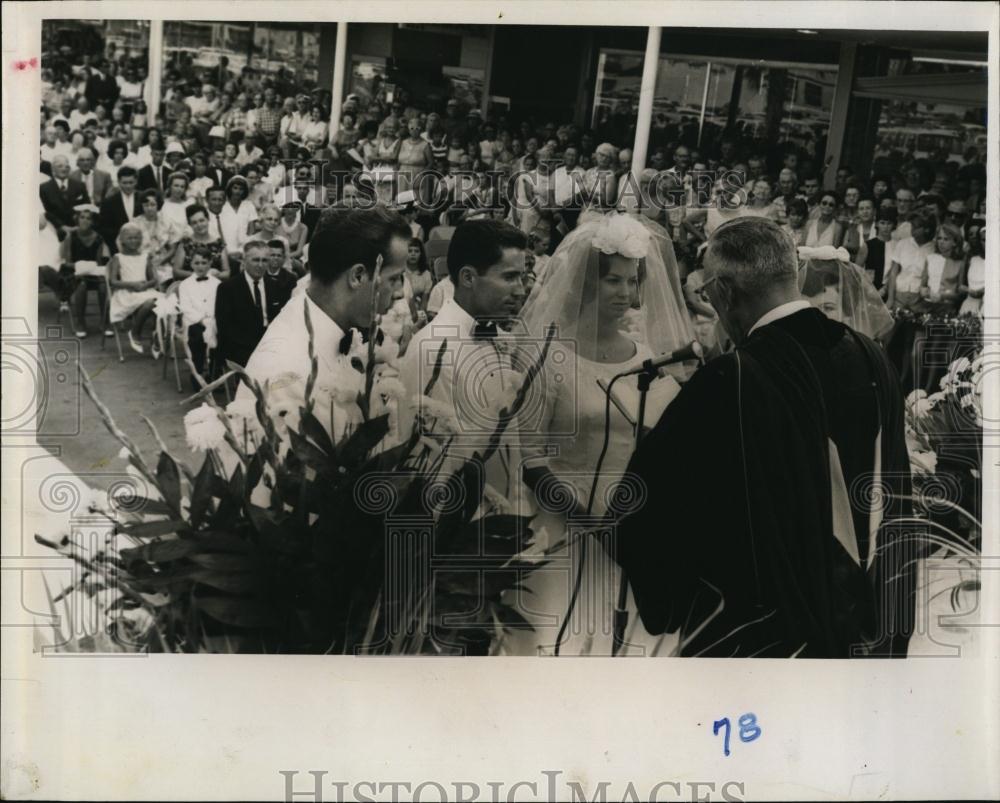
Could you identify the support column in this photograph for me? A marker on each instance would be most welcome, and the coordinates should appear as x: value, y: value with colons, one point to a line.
x: 838, y: 114
x: 484, y: 104
x: 647, y: 91
x: 337, y: 90
x: 154, y: 69
x: 704, y: 100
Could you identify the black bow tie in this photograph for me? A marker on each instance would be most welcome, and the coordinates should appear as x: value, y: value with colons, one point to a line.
x: 201, y: 278
x: 484, y: 330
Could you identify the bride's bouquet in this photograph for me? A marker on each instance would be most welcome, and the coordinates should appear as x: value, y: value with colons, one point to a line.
x: 310, y: 527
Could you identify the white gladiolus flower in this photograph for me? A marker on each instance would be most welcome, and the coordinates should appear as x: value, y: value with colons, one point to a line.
x: 344, y: 386
x: 923, y: 462
x: 388, y: 351
x: 96, y: 500
x: 203, y: 429
x: 166, y: 306
x: 391, y: 388
x: 921, y: 407
x: 243, y: 417
x: 621, y: 234
x: 914, y: 395
x: 444, y: 416
x: 391, y: 327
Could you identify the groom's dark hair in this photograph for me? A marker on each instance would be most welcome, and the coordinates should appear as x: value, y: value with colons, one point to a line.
x: 345, y: 237
x: 480, y: 243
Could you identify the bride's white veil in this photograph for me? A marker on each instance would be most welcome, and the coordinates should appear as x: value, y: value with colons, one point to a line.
x: 842, y: 290
x: 565, y: 298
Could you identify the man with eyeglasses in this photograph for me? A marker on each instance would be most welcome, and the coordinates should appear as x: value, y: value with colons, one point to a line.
x: 802, y: 408
x: 957, y: 213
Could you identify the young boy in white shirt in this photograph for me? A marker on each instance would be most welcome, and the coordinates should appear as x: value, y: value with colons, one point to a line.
x: 196, y: 299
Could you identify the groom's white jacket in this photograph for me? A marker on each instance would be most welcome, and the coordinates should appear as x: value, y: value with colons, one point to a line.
x: 475, y: 380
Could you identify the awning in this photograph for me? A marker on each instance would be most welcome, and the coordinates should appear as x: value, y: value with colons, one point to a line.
x: 956, y: 89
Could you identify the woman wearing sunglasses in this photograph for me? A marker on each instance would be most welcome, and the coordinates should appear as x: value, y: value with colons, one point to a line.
x: 825, y: 229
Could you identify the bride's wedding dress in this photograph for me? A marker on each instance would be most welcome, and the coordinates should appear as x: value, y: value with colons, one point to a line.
x: 585, y: 627
x: 571, y: 600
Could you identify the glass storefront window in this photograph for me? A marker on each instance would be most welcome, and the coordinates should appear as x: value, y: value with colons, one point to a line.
x: 915, y: 128
x: 776, y: 101
x: 268, y: 48
x: 368, y: 76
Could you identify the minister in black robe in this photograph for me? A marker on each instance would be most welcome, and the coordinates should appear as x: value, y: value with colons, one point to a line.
x: 756, y: 536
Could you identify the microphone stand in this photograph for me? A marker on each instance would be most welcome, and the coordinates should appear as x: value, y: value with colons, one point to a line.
x: 620, y: 621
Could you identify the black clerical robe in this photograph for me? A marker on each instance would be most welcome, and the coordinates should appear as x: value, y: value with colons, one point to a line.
x: 736, y: 546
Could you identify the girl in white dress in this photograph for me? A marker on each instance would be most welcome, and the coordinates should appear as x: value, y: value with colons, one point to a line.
x: 597, y: 275
x: 975, y: 277
x: 132, y: 279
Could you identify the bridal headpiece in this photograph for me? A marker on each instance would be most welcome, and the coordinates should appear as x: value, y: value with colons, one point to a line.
x: 621, y: 234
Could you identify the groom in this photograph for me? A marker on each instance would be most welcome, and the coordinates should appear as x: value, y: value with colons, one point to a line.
x: 486, y: 265
x: 760, y: 533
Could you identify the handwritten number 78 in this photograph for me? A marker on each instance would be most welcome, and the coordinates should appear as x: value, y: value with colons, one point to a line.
x: 749, y: 730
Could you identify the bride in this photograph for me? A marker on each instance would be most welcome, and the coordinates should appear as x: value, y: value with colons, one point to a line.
x: 608, y: 293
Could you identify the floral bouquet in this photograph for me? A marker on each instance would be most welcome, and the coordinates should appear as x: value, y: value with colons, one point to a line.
x: 944, y: 433
x: 299, y: 536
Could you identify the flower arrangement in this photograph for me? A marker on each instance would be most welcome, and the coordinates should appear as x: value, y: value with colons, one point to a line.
x: 944, y: 439
x: 294, y: 536
x: 969, y: 325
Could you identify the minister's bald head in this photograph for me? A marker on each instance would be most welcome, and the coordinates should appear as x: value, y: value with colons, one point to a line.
x: 751, y: 267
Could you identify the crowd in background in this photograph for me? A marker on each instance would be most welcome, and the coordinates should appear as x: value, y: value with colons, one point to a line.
x: 231, y: 177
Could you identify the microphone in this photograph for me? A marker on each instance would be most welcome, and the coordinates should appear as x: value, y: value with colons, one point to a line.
x: 692, y: 351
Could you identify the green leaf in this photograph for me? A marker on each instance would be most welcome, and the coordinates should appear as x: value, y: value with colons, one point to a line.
x: 236, y: 611
x: 154, y: 529
x: 160, y: 551
x: 169, y: 479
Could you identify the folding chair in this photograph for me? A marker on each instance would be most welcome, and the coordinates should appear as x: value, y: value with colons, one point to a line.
x: 440, y: 267
x: 107, y: 318
x: 442, y: 232
x: 435, y: 249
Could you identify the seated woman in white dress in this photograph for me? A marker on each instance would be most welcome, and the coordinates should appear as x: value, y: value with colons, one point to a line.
x: 132, y: 279
x: 597, y: 274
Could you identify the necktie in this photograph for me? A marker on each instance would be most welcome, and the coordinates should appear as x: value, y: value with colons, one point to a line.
x: 202, y: 279
x: 159, y: 179
x: 257, y: 299
x: 218, y: 222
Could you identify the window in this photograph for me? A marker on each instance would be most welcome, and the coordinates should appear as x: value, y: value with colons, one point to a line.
x: 701, y: 97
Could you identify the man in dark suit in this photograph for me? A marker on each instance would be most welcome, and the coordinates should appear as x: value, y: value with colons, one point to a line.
x: 155, y: 176
x: 242, y: 303
x: 119, y: 207
x: 215, y: 170
x: 60, y: 194
x: 760, y: 534
x: 97, y: 182
x: 280, y: 282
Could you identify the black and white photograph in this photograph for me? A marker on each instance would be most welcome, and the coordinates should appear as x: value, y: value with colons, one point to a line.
x: 473, y: 336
